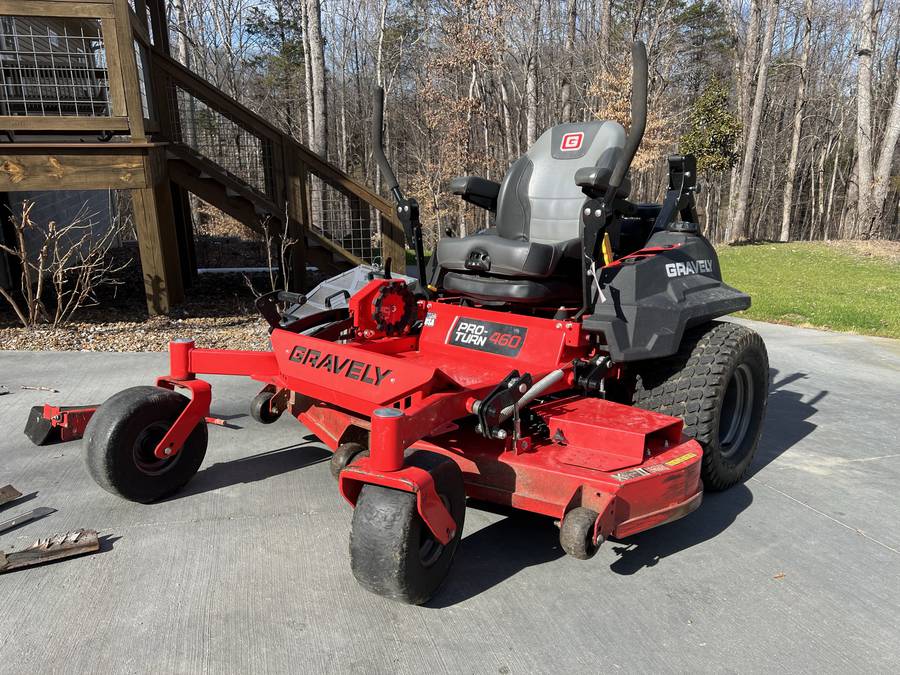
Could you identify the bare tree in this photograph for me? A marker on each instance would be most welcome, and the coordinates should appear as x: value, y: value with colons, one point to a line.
x: 64, y: 271
x: 738, y: 226
x: 799, y: 109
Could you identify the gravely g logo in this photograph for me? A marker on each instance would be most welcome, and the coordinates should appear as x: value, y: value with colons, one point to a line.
x: 349, y: 368
x: 571, y: 141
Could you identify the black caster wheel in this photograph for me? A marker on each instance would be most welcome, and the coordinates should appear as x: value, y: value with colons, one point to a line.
x: 345, y: 455
x: 392, y: 551
x: 576, y: 533
x: 261, y: 408
x: 120, y: 439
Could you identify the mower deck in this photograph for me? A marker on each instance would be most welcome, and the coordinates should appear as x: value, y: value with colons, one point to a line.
x: 630, y: 466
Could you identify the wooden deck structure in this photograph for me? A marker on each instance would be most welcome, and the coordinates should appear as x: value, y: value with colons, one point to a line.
x: 126, y: 123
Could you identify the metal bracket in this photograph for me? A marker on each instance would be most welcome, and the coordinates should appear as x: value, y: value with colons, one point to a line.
x: 507, y: 393
x: 195, y: 412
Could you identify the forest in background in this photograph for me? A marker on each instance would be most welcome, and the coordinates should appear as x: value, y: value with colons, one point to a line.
x: 791, y: 106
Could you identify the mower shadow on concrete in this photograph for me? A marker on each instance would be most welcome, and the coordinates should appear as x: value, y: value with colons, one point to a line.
x: 255, y: 468
x: 718, y: 511
x: 497, y: 552
x: 787, y: 423
x: 787, y: 419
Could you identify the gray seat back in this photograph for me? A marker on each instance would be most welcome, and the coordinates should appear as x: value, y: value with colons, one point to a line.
x: 539, y: 200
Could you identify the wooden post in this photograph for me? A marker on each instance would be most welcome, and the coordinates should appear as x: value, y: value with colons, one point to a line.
x: 157, y: 236
x: 296, y: 199
x: 392, y: 244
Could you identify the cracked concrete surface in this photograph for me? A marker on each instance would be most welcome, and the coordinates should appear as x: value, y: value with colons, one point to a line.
x: 247, y: 570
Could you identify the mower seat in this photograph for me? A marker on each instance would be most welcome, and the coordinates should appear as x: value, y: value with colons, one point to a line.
x: 538, y: 216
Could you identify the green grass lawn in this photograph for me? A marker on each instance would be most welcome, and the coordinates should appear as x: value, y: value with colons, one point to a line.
x: 853, y: 287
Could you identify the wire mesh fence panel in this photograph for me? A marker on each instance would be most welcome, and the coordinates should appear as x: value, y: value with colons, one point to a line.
x: 213, y: 134
x: 346, y: 220
x: 52, y: 66
x: 140, y: 53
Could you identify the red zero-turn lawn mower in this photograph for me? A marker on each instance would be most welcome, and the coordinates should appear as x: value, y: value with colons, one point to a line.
x: 564, y: 362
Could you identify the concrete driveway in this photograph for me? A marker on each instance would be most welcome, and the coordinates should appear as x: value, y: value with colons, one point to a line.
x: 798, y: 570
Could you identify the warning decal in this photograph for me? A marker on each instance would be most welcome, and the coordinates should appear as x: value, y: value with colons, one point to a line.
x: 681, y: 459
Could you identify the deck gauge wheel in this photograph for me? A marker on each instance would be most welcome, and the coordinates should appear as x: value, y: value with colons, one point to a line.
x: 345, y: 455
x: 576, y: 533
x: 261, y: 408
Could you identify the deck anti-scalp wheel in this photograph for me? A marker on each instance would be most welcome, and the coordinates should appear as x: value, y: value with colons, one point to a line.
x: 576, y: 533
x: 392, y: 551
x: 261, y: 408
x: 718, y: 384
x: 345, y: 455
x: 120, y: 439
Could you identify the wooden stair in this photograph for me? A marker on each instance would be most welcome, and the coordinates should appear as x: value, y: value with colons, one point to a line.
x: 287, y: 166
x: 228, y: 193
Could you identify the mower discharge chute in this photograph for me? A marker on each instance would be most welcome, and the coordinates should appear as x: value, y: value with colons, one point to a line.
x: 563, y: 362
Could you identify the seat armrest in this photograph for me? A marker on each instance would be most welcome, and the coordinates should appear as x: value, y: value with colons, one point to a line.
x: 594, y: 181
x: 478, y: 191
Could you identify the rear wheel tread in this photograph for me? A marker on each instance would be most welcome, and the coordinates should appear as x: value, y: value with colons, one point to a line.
x: 691, y: 383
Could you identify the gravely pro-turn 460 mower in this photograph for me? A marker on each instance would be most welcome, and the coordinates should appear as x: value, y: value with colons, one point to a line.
x: 564, y: 362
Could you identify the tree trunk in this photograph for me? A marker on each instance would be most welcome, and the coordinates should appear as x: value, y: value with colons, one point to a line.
x: 744, y: 75
x: 316, y: 55
x: 738, y: 226
x: 531, y: 68
x: 308, y: 79
x: 566, y: 94
x: 799, y: 108
x: 865, y: 203
x: 885, y: 162
x: 605, y: 32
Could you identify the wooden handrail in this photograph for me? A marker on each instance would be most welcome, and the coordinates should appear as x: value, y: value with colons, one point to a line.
x: 212, y: 96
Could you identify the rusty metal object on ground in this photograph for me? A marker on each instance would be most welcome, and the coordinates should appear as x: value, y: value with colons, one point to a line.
x: 57, y: 547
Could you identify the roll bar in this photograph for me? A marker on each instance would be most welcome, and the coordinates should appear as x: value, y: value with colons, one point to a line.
x: 639, y: 79
x: 597, y: 208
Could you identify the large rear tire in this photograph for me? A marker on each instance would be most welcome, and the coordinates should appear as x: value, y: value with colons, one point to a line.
x: 718, y: 384
x: 120, y: 439
x: 392, y: 551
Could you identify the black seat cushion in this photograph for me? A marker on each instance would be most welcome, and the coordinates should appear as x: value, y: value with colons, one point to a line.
x: 520, y: 291
x: 489, y: 253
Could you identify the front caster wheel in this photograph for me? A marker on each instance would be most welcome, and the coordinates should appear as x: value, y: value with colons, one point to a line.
x: 345, y: 455
x: 120, y: 439
x: 261, y: 408
x: 576, y: 533
x: 392, y: 551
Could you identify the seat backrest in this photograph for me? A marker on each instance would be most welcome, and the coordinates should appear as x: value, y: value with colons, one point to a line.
x: 539, y: 200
